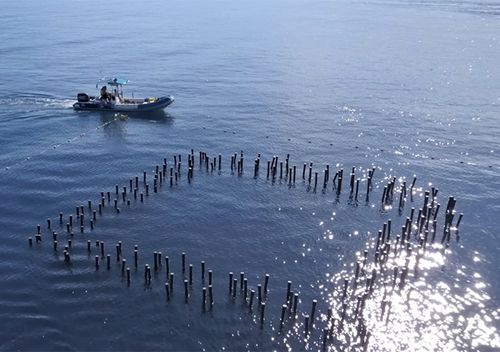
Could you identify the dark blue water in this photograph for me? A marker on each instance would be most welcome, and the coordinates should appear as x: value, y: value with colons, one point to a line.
x: 408, y: 88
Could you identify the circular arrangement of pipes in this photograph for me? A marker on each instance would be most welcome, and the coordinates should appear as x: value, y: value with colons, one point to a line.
x: 390, y: 263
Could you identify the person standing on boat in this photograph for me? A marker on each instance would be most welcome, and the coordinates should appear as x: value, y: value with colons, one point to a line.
x: 105, y: 95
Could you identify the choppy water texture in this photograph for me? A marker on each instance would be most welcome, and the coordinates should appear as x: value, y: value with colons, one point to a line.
x: 408, y: 88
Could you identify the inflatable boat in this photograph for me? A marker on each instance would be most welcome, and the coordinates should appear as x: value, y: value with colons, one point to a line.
x: 112, y: 99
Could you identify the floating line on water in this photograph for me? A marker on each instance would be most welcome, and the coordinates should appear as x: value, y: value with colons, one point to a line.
x: 56, y: 146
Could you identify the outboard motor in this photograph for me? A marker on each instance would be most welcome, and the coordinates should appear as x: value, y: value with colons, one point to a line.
x: 83, y: 98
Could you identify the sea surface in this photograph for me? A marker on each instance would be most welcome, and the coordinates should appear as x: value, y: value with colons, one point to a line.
x: 405, y: 88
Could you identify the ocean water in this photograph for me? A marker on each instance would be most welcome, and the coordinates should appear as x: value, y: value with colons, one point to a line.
x: 405, y: 88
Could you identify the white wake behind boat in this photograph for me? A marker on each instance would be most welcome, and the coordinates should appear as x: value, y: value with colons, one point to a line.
x: 115, y: 101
